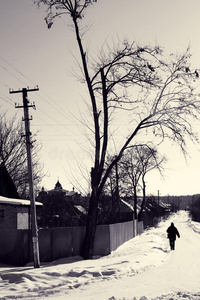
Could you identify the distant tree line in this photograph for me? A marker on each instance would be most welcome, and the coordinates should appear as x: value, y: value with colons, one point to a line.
x: 195, y: 209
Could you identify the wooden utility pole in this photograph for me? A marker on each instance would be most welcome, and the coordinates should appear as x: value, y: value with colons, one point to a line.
x: 158, y: 198
x: 26, y: 119
x: 117, y: 184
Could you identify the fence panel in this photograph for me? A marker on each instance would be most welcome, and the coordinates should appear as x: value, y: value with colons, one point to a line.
x: 14, y: 247
x: 78, y: 234
x: 120, y: 233
x: 54, y: 243
x: 45, y: 245
x: 61, y: 242
x: 102, y: 240
x: 128, y: 230
x: 140, y: 227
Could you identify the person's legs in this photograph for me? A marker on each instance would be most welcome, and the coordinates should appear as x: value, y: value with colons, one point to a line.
x: 172, y: 244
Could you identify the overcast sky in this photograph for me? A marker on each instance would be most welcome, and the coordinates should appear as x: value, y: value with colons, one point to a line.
x: 30, y: 55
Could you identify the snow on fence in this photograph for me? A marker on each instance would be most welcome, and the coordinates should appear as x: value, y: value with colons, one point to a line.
x: 55, y: 243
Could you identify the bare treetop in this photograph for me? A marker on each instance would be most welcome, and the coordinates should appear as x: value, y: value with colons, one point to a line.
x: 56, y: 8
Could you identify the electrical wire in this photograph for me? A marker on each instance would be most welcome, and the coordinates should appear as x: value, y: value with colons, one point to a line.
x: 59, y: 111
x: 55, y: 108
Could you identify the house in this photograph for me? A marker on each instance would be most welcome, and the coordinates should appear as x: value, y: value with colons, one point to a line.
x: 15, y: 213
x: 58, y: 190
x: 61, y: 208
x: 7, y: 186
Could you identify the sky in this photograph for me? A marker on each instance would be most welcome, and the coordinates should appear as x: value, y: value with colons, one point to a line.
x: 33, y: 55
x: 142, y: 268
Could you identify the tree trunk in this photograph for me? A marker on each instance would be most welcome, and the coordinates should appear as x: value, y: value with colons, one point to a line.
x: 87, y: 250
x: 135, y: 203
x: 143, y: 200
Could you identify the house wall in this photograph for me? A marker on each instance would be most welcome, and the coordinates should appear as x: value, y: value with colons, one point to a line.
x: 13, y: 217
x: 55, y: 243
x: 22, y: 217
x: 8, y: 219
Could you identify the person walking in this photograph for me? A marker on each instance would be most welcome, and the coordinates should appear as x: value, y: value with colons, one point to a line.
x: 172, y: 233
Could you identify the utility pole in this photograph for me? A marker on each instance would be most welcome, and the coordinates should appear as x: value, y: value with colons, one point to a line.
x: 117, y: 184
x: 26, y: 119
x: 158, y: 198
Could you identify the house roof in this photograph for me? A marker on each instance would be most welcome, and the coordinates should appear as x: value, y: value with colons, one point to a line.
x: 128, y: 204
x: 66, y: 192
x: 58, y: 191
x: 7, y: 186
x: 12, y: 201
x: 71, y: 193
x: 81, y: 209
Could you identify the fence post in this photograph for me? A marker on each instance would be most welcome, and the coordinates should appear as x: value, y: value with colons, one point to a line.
x: 135, y: 229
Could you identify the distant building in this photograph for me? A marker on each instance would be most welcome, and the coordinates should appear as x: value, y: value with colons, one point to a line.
x: 61, y: 208
x: 15, y: 213
x: 58, y: 189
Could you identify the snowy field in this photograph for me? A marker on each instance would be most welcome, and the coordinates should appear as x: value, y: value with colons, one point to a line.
x: 142, y: 268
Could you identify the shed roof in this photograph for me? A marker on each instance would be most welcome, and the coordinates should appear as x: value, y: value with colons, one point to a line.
x: 12, y: 201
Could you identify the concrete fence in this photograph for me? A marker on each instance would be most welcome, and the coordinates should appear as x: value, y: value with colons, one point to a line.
x: 55, y: 243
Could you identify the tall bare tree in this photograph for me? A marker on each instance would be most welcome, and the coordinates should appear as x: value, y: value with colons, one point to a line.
x: 159, y: 92
x: 13, y: 154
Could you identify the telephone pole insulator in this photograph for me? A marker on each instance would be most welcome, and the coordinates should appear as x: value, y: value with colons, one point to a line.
x: 27, y: 135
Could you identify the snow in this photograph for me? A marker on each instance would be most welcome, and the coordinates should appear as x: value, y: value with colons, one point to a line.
x: 142, y: 268
x: 12, y: 201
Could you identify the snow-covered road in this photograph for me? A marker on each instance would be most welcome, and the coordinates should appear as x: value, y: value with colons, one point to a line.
x: 143, y: 267
x: 180, y: 272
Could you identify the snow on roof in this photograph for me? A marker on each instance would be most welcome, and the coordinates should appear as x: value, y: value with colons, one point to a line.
x: 81, y: 209
x: 71, y: 193
x: 165, y: 205
x: 12, y: 201
x: 128, y: 204
x: 67, y: 193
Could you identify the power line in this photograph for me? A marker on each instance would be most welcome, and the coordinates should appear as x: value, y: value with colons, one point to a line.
x: 4, y: 84
x: 59, y: 111
x: 16, y: 69
x: 60, y: 124
x: 54, y: 125
x: 12, y: 74
x: 6, y: 100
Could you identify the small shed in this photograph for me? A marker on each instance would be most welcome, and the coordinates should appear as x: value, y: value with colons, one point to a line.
x: 15, y: 213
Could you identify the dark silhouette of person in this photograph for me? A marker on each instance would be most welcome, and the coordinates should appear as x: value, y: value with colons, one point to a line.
x: 172, y: 233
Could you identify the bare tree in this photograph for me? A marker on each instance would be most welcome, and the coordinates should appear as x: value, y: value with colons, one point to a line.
x: 13, y: 154
x: 151, y: 161
x: 134, y: 166
x: 159, y: 93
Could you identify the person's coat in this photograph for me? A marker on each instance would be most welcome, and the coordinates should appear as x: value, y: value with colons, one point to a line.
x: 172, y: 232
